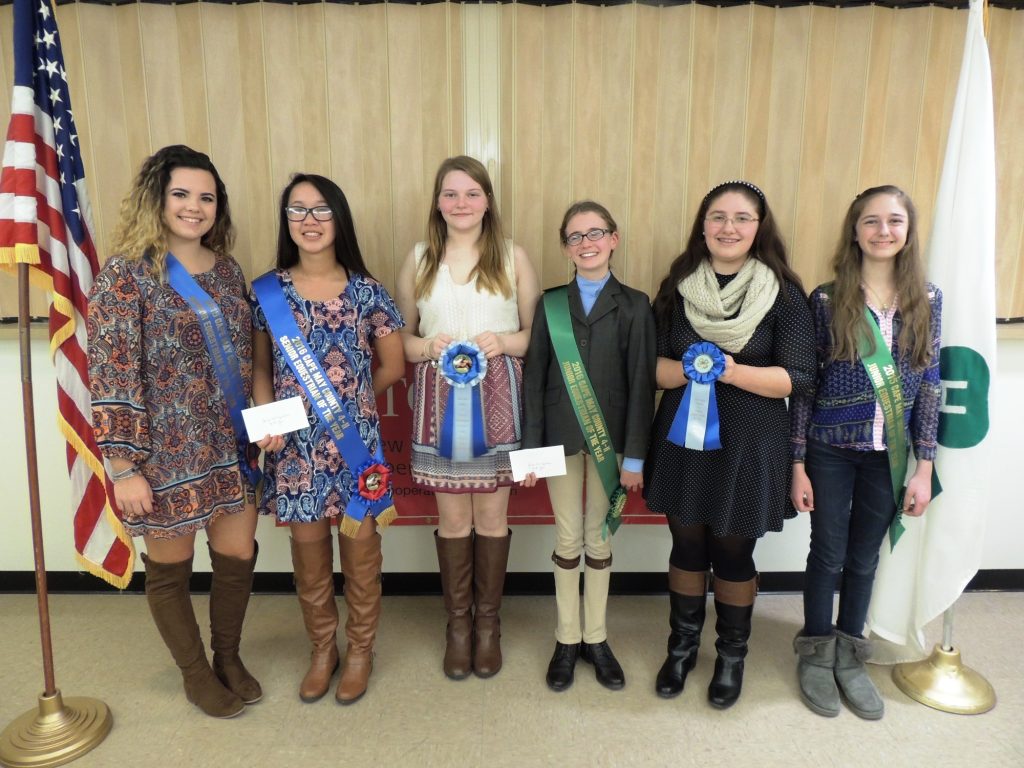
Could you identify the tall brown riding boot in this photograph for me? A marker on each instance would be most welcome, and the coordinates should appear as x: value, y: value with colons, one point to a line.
x: 490, y: 564
x: 313, y: 562
x: 455, y: 560
x: 229, y: 598
x: 361, y: 562
x: 171, y: 606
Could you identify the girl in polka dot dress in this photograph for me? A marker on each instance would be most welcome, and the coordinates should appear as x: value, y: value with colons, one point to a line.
x: 731, y: 287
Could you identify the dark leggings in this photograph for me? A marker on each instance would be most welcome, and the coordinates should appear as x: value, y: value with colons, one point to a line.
x: 694, y: 548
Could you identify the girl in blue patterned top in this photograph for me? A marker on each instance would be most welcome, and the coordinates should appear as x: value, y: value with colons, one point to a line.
x: 841, y: 460
x: 347, y: 318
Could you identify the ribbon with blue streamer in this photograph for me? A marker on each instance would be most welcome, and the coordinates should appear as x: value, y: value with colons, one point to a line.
x: 371, y: 474
x: 696, y: 422
x: 463, y: 366
x: 223, y: 356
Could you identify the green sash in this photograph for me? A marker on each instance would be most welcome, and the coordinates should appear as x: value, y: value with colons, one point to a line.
x: 885, y: 379
x: 584, y: 403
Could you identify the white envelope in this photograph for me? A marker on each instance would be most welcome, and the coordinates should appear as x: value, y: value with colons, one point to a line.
x: 543, y: 462
x: 277, y: 418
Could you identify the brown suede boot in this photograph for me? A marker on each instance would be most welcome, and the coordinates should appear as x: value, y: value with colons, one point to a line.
x: 229, y: 598
x: 361, y: 562
x: 171, y: 606
x: 455, y: 560
x: 490, y: 563
x: 313, y: 562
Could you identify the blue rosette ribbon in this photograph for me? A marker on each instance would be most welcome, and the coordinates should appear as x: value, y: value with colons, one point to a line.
x: 463, y: 366
x: 696, y: 423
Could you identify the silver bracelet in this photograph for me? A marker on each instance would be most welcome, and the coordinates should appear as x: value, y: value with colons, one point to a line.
x: 124, y: 474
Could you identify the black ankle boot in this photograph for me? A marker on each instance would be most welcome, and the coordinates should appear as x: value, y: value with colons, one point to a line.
x: 609, y: 672
x: 686, y: 618
x: 733, y: 627
x: 562, y: 667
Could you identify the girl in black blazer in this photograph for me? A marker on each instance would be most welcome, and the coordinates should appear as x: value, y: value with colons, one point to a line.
x: 613, y: 330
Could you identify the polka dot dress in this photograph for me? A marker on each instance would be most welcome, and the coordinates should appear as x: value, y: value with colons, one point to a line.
x: 743, y: 488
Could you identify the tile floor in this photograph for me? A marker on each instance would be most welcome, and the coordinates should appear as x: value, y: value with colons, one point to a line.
x: 105, y: 646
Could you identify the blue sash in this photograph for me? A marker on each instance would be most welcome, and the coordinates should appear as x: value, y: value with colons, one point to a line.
x: 372, y: 491
x: 223, y: 356
x: 695, y: 424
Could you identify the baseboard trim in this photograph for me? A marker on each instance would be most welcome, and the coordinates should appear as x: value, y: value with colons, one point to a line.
x: 519, y: 583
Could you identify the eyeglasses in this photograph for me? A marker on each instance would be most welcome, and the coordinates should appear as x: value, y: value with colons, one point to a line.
x: 591, y: 234
x: 298, y: 213
x: 740, y: 220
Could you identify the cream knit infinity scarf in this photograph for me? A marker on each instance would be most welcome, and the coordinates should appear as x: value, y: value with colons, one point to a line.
x: 752, y: 292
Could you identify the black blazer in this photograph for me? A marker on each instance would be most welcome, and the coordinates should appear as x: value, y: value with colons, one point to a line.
x: 617, y: 347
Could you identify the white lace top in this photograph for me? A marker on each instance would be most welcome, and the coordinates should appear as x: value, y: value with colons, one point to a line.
x: 462, y: 311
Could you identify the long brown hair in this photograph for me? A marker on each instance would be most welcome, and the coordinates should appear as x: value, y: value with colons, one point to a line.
x: 490, y: 270
x: 848, y: 320
x: 767, y: 247
x: 141, y: 231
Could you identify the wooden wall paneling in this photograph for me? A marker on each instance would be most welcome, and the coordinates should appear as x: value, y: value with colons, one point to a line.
x: 906, y: 96
x: 411, y: 180
x: 162, y: 75
x: 876, y: 96
x: 554, y: 184
x: 638, y: 221
x: 729, y: 118
x: 616, y: 136
x: 194, y: 85
x: 122, y: 122
x: 703, y: 94
x: 217, y: 49
x: 942, y: 66
x: 508, y: 141
x: 522, y: 135
x: 307, y: 75
x: 850, y: 92
x: 805, y: 245
x: 676, y: 51
x: 457, y: 81
x: 241, y: 29
x: 590, y: 100
x: 357, y: 77
x: 786, y: 115
x: 759, y: 90
x: 1006, y: 44
x: 295, y: 79
x: 439, y: 57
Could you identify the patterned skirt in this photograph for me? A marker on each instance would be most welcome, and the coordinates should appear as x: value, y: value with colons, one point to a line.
x: 501, y: 391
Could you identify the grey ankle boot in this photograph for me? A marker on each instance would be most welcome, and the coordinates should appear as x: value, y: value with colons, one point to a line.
x: 816, y: 672
x: 860, y: 693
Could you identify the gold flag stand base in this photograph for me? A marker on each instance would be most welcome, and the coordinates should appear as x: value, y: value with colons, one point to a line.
x: 56, y: 733
x: 942, y: 682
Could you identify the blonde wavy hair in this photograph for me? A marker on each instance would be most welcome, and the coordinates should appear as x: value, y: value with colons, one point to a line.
x: 848, y: 321
x: 490, y: 270
x: 141, y: 232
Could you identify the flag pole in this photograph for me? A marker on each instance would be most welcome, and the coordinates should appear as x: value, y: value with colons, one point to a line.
x: 55, y: 732
x: 942, y: 681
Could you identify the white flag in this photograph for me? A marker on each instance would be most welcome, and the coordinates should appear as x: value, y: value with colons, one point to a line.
x: 941, y: 551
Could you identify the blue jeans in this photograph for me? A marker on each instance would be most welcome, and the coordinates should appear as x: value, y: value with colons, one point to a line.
x: 853, y: 506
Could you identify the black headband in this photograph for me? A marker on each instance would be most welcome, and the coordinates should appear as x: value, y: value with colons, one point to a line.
x: 746, y: 184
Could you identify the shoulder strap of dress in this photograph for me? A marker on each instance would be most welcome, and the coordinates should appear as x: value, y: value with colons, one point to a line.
x: 420, y: 251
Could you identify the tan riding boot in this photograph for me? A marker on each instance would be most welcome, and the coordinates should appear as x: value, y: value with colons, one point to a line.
x: 455, y: 561
x: 313, y: 562
x: 361, y: 562
x: 229, y: 598
x: 490, y: 563
x: 171, y: 605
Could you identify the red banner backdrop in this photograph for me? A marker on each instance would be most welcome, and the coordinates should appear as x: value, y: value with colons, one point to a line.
x: 528, y: 506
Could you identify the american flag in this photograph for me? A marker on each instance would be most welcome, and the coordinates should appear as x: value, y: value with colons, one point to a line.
x: 44, y: 222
